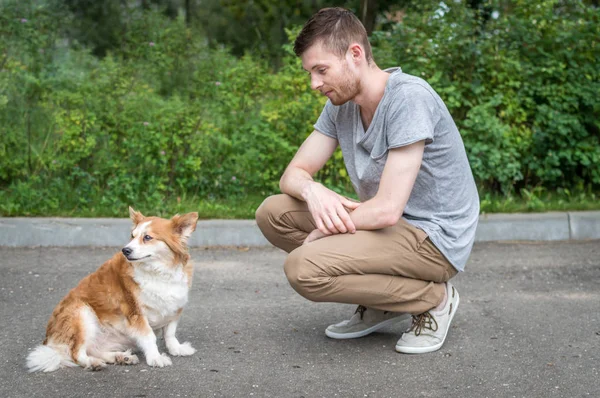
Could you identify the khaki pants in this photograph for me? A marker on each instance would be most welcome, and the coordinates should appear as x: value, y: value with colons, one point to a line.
x: 393, y: 269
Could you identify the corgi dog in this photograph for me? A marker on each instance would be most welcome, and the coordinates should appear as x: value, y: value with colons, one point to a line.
x: 117, y: 308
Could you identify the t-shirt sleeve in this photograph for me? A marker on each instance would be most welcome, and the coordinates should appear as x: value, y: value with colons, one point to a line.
x: 326, y: 122
x: 412, y: 117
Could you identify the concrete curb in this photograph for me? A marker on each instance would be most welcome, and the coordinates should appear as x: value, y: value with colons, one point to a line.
x: 69, y: 232
x: 539, y: 226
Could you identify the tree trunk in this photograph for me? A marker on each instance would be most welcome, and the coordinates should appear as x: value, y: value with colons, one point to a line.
x: 368, y: 13
x: 188, y: 12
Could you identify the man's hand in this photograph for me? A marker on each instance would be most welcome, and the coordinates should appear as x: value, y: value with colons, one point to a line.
x: 329, y: 209
x: 314, y: 235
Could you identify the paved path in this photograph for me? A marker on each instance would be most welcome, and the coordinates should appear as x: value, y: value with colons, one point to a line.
x: 528, y: 326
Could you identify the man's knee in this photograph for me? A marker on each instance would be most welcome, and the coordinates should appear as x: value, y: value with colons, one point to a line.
x: 270, y: 209
x: 304, y: 276
x: 264, y: 213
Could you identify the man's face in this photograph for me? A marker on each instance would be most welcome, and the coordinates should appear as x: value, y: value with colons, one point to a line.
x: 333, y: 76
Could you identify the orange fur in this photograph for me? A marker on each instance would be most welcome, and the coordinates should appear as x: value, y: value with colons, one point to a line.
x: 110, y: 301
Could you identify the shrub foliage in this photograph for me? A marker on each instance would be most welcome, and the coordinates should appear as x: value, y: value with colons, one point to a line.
x: 165, y: 117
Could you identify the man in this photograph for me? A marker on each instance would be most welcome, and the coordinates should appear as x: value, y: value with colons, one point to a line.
x: 393, y: 252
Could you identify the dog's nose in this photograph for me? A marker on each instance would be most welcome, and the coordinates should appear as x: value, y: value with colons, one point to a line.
x: 126, y: 251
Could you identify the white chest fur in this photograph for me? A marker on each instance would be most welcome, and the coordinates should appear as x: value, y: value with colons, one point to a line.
x: 162, y: 293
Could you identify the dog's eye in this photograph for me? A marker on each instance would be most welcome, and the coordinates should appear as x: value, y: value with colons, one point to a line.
x: 147, y: 238
x: 131, y: 236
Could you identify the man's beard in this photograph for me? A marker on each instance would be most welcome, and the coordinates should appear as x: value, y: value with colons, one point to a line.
x: 348, y: 88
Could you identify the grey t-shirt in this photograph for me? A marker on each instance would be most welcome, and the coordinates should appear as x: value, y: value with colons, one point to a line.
x: 444, y: 201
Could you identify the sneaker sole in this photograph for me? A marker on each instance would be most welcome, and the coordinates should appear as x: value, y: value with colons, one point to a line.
x: 423, y: 350
x: 362, y: 333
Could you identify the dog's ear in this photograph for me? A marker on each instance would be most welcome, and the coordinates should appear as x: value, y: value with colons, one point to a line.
x: 135, y: 216
x: 184, y: 225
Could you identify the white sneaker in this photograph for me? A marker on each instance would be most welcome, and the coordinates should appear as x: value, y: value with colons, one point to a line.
x: 364, y: 321
x: 429, y: 329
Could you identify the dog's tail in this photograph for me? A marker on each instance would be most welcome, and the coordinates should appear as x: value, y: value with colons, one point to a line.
x: 46, y: 358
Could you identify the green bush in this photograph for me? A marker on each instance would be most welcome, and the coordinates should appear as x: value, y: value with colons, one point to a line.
x: 165, y: 119
x: 521, y: 79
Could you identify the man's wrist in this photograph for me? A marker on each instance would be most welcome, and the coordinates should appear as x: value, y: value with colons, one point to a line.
x: 307, y: 188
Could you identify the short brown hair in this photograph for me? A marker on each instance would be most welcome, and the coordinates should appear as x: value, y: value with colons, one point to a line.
x: 336, y: 28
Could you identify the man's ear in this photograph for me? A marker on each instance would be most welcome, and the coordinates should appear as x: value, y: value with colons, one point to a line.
x: 356, y: 51
x: 135, y: 216
x: 184, y: 225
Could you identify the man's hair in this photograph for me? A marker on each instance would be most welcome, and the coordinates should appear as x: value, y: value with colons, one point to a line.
x: 336, y: 28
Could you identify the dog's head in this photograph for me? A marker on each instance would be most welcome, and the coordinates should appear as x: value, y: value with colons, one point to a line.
x: 155, y: 239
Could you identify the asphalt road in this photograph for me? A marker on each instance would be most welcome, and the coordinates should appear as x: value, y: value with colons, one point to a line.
x: 528, y: 326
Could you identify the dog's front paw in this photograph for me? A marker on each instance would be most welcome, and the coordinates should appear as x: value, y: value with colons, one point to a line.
x: 126, y: 358
x: 159, y: 361
x: 95, y: 365
x: 181, y: 350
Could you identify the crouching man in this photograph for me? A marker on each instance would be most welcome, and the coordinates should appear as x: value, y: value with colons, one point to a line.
x: 393, y: 252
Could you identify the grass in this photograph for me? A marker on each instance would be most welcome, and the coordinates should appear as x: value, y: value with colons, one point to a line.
x: 243, y: 207
x: 229, y: 208
x: 539, y: 201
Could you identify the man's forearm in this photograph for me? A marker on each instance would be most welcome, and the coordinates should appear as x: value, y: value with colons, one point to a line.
x: 375, y: 214
x: 296, y: 182
x: 370, y: 215
x: 387, y: 206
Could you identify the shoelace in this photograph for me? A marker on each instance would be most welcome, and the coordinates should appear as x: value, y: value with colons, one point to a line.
x: 423, y: 321
x: 361, y: 310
